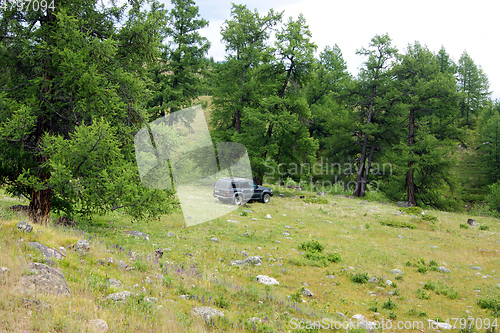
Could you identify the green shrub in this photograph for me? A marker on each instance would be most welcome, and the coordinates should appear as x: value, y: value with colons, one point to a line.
x: 297, y: 297
x: 464, y: 226
x: 422, y: 269
x: 491, y: 303
x: 398, y: 224
x: 430, y: 218
x: 167, y: 281
x: 389, y: 305
x: 221, y: 302
x: 312, y: 246
x: 412, y: 210
x: 422, y: 294
x: 483, y: 227
x: 322, y: 201
x: 359, y: 278
x: 333, y: 257
x: 243, y: 213
x: 439, y: 288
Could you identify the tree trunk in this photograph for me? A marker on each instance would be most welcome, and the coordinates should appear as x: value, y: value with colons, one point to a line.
x: 410, y: 182
x: 367, y: 169
x: 39, y: 207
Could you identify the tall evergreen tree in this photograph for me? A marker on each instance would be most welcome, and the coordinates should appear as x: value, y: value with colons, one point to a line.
x: 181, y: 69
x: 73, y: 94
x: 473, y: 86
x: 370, y: 91
x: 427, y: 99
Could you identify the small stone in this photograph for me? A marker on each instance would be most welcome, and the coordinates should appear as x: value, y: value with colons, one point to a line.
x: 388, y: 282
x: 214, y: 239
x: 254, y: 320
x: 400, y: 237
x: 151, y: 299
x: 82, y: 246
x: 206, y: 313
x: 122, y: 264
x: 266, y: 280
x: 115, y: 283
x: 170, y: 234
x: 397, y: 272
x: 477, y: 268
x: 253, y: 260
x: 119, y: 296
x: 268, y: 216
x: 24, y: 226
x: 443, y: 269
x: 287, y: 227
x: 331, y: 276
x: 307, y: 292
x: 98, y: 325
x: 285, y: 234
x: 472, y: 222
x: 138, y: 234
x: 4, y: 270
x: 373, y: 280
x: 253, y: 219
x: 232, y: 221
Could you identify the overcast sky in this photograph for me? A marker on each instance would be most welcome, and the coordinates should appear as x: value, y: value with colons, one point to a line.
x: 457, y: 25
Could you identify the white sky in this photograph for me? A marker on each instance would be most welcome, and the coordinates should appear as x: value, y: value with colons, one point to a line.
x: 457, y: 25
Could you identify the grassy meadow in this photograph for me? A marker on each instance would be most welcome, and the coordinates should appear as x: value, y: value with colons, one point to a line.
x: 331, y: 245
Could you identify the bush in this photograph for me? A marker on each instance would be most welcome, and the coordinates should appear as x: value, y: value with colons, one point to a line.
x: 464, y: 226
x: 430, y: 218
x: 312, y: 246
x: 412, y: 210
x: 492, y: 303
x: 398, y: 224
x: 221, y: 302
x: 483, y: 227
x: 389, y: 305
x: 359, y: 278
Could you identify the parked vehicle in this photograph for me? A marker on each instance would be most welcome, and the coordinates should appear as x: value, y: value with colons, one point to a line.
x: 240, y: 190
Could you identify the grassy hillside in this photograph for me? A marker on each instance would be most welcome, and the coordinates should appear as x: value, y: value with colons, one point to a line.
x: 370, y: 238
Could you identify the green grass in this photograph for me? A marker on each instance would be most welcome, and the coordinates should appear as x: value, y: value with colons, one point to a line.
x: 345, y: 237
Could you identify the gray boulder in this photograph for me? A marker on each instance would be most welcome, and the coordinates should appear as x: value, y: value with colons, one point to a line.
x: 82, y: 246
x: 206, y: 313
x: 472, y: 222
x: 404, y: 204
x: 45, y: 279
x: 46, y: 251
x: 307, y: 292
x: 443, y: 269
x: 253, y: 260
x: 119, y: 296
x: 24, y: 226
x: 35, y: 304
x: 115, y: 283
x: 266, y: 280
x: 138, y: 234
x: 397, y: 272
x: 98, y: 325
x: 373, y: 280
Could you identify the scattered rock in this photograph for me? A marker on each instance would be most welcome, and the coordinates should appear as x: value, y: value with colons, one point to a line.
x: 151, y: 299
x: 122, y: 264
x: 45, y: 279
x: 138, y: 234
x: 46, y: 251
x: 98, y: 325
x: 253, y: 219
x: 247, y: 211
x: 285, y: 234
x: 232, y: 221
x: 247, y: 234
x: 24, y: 226
x: 268, y: 216
x: 388, y: 282
x: 358, y: 317
x: 404, y: 204
x: 443, y: 269
x: 373, y: 280
x: 266, y: 280
x: 397, y: 272
x: 253, y: 260
x: 170, y: 234
x: 206, y: 313
x: 472, y: 222
x: 214, y: 239
x: 287, y: 227
x: 4, y: 270
x: 110, y: 260
x: 477, y: 268
x: 254, y: 320
x: 158, y: 253
x: 35, y: 304
x: 115, y: 283
x: 19, y: 208
x: 65, y: 221
x: 82, y: 246
x: 307, y: 292
x: 331, y: 276
x: 119, y: 296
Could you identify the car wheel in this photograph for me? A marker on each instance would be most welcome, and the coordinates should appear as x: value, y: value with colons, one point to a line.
x: 266, y: 197
x: 237, y: 200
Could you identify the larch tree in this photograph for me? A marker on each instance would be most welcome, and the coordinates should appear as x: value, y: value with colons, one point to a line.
x: 72, y: 97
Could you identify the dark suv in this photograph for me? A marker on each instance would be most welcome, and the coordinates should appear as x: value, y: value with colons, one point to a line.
x: 241, y: 190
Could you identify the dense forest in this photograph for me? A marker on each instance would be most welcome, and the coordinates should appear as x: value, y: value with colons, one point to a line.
x: 79, y: 79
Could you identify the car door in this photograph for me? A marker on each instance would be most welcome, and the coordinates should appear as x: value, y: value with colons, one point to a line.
x: 257, y: 191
